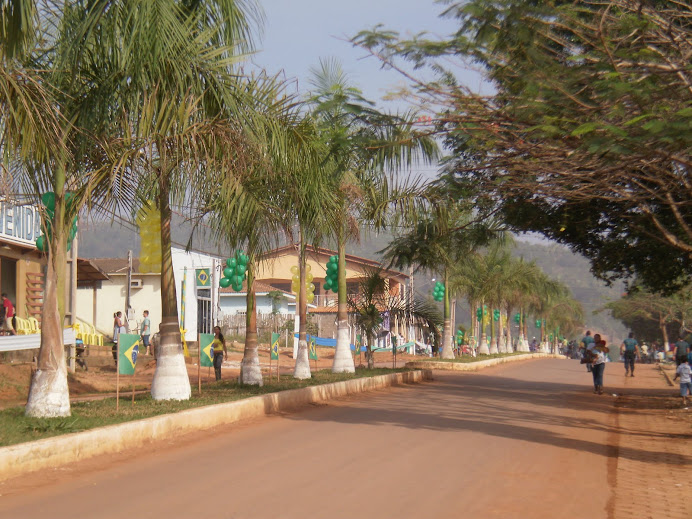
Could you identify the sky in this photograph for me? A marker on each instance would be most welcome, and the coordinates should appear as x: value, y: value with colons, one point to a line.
x: 298, y: 33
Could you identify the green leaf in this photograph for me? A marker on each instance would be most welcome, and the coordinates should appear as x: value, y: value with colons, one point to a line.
x: 584, y: 129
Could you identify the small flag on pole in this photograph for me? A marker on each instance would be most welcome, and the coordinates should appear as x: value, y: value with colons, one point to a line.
x: 313, y: 349
x: 128, y: 349
x: 275, y: 346
x: 205, y: 344
x: 359, y: 343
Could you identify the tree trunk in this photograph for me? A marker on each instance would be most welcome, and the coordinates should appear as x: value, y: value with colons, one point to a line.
x: 447, y: 350
x: 509, y: 348
x: 664, y: 332
x: 171, y: 381
x: 368, y: 352
x: 483, y: 344
x: 302, y: 367
x: 501, y: 347
x: 250, y: 371
x: 49, y: 394
x: 343, y: 361
x: 493, y: 337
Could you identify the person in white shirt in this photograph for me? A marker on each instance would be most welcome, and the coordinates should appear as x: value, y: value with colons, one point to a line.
x: 685, y: 373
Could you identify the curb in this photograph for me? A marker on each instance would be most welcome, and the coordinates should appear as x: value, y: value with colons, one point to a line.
x: 475, y: 366
x: 666, y: 375
x: 23, y: 458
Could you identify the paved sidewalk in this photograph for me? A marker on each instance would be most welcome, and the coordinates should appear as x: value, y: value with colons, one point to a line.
x: 653, y: 473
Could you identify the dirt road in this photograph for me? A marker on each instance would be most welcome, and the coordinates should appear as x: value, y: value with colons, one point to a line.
x: 528, y: 439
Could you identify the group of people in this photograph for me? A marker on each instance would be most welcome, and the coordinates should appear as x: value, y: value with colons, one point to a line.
x: 144, y: 332
x: 594, y: 352
x: 218, y: 345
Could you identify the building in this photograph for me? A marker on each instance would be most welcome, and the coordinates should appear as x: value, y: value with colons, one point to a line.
x: 197, y: 288
x: 275, y: 271
x: 23, y: 266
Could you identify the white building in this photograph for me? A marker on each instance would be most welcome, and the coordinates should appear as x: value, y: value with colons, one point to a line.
x: 196, y: 280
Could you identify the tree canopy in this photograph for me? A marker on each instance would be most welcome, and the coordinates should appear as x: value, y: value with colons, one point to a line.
x: 586, y: 135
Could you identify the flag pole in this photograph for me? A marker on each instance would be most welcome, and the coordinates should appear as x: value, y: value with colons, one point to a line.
x: 134, y: 372
x: 117, y: 376
x: 199, y: 364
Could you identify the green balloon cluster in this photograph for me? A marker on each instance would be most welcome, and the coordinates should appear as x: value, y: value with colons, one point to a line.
x: 439, y: 291
x: 235, y: 272
x: 48, y: 201
x: 538, y: 323
x: 331, y: 281
x: 517, y: 318
x: 459, y: 337
x: 496, y: 315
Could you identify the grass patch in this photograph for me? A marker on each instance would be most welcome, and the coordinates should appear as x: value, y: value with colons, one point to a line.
x: 17, y: 428
x: 467, y: 359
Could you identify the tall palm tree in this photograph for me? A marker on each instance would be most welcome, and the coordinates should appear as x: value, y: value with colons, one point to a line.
x: 444, y: 236
x: 373, y: 300
x: 249, y: 210
x: 361, y: 144
x: 187, y: 111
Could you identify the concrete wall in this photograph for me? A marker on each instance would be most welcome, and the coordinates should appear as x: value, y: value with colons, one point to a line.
x: 110, y: 298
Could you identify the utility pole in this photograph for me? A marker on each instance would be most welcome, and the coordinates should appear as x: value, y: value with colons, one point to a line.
x: 128, y: 288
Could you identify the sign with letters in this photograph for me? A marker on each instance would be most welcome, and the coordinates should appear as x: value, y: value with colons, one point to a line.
x: 19, y: 223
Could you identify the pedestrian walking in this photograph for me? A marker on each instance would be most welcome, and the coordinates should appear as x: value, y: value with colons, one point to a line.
x: 682, y: 348
x: 630, y: 349
x: 220, y: 351
x: 685, y: 373
x: 599, y: 352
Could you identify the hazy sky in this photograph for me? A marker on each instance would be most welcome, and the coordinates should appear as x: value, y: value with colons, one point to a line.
x: 300, y: 32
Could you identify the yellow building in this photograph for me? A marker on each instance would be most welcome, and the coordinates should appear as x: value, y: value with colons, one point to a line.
x: 275, y: 270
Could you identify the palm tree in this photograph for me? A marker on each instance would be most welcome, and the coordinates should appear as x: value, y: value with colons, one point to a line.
x: 249, y: 211
x: 361, y: 143
x: 373, y: 300
x: 183, y: 103
x: 445, y: 236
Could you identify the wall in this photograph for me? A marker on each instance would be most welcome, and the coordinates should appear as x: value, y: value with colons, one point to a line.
x: 231, y: 304
x: 110, y: 298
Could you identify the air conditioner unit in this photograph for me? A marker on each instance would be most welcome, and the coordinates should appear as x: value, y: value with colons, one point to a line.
x: 135, y: 283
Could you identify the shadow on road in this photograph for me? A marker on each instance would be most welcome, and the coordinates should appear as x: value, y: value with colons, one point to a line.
x: 550, y: 413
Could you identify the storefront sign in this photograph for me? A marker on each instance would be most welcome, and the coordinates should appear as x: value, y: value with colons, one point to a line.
x: 19, y: 223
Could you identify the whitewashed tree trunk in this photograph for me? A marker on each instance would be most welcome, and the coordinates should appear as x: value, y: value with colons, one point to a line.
x: 49, y: 397
x: 447, y: 351
x: 483, y: 346
x: 493, y: 346
x: 302, y: 367
x: 171, y: 381
x: 343, y: 360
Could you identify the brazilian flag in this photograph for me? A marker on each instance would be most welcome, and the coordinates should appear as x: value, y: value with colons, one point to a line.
x: 312, y: 349
x: 205, y: 345
x: 128, y: 349
x: 359, y: 343
x: 275, y: 346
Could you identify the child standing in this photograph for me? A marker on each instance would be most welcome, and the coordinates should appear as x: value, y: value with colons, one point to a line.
x: 684, y: 372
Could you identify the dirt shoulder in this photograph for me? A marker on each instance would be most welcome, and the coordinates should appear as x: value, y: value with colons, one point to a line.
x: 101, y: 376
